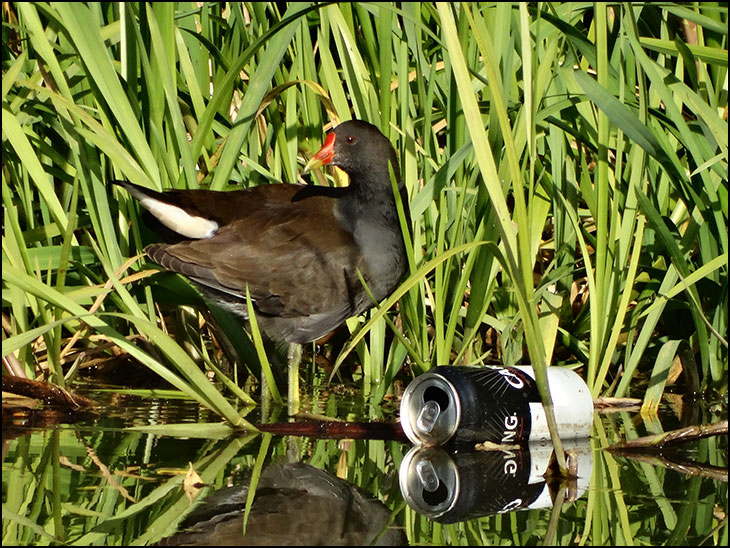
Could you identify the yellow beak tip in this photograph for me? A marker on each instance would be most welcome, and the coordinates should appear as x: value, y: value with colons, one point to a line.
x: 314, y: 163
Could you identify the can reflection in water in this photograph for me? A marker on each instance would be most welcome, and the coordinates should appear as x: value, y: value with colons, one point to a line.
x: 465, y: 485
x: 496, y: 404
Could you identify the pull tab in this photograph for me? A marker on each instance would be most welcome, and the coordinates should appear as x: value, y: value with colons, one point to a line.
x: 427, y: 476
x: 428, y: 416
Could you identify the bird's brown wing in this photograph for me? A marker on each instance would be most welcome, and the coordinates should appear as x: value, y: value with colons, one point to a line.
x: 292, y: 253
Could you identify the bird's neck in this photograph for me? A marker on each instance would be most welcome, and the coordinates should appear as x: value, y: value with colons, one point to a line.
x: 373, y: 197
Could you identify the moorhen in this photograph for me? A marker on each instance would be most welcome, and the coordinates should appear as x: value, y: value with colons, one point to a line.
x: 298, y: 248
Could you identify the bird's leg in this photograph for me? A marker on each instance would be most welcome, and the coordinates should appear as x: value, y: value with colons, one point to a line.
x: 293, y: 357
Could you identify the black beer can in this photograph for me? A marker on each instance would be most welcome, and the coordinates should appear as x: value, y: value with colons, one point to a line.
x: 474, y: 404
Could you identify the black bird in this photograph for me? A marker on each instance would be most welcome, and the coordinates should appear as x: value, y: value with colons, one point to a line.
x: 298, y: 248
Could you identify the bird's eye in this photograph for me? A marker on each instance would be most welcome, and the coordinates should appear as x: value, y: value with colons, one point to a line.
x: 350, y: 140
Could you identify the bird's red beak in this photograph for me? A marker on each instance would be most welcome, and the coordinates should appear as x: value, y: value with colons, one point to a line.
x: 325, y: 155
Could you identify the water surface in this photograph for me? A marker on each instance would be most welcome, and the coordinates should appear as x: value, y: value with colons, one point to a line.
x: 91, y: 480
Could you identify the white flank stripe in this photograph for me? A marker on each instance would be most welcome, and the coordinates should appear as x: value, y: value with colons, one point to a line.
x: 177, y: 219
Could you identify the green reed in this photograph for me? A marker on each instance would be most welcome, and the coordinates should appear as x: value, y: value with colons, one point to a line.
x: 566, y: 166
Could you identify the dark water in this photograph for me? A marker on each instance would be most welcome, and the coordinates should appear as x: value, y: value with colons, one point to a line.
x: 93, y: 481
